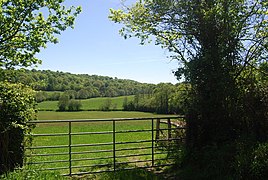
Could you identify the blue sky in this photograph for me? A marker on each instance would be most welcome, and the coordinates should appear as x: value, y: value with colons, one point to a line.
x: 94, y: 46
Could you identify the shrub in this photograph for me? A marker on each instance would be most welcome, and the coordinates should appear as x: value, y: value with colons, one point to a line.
x: 17, y: 106
x: 259, y: 164
x: 74, y: 105
x: 106, y: 106
x: 41, y: 96
x: 67, y: 104
x: 63, y: 102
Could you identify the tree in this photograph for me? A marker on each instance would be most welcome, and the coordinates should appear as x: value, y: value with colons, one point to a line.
x: 83, y: 94
x: 71, y: 93
x: 67, y: 103
x: 64, y: 102
x: 215, y: 41
x: 24, y: 32
x: 162, y: 94
x: 179, y: 99
x: 74, y: 105
x: 27, y: 26
x: 220, y: 45
x: 41, y: 96
x: 107, y: 105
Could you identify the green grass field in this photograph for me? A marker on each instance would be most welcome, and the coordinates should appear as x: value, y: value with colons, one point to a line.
x: 54, y: 115
x: 91, y: 139
x: 88, y: 104
x: 99, y: 126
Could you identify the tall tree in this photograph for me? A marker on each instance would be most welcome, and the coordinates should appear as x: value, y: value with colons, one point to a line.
x: 28, y: 25
x: 220, y: 45
x: 162, y: 95
x: 214, y: 41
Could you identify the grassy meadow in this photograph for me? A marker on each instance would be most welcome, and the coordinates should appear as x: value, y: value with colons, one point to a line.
x: 88, y: 104
x: 87, y: 152
x: 82, y: 156
x: 55, y: 115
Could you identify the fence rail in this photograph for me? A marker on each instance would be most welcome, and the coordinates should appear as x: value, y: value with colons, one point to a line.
x: 122, y: 149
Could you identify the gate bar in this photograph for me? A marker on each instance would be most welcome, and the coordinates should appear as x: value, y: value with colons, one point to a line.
x: 152, y: 142
x: 70, y: 148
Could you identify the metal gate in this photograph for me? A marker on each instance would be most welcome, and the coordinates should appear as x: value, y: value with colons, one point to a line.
x: 78, y: 147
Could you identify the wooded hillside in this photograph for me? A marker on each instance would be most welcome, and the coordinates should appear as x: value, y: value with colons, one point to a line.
x: 86, y: 85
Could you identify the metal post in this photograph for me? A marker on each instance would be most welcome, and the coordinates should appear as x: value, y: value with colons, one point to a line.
x: 169, y: 129
x: 157, y: 130
x: 70, y: 148
x: 152, y: 142
x: 114, y: 144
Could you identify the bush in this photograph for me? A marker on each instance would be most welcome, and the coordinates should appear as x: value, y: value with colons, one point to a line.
x: 242, y: 159
x: 106, y: 106
x: 74, y: 105
x: 210, y: 162
x: 67, y: 104
x: 259, y: 163
x: 63, y: 102
x: 41, y: 96
x: 17, y: 106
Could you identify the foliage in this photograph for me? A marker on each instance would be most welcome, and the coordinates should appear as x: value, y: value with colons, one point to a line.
x: 222, y: 50
x: 27, y: 26
x: 106, y: 106
x: 82, y: 86
x: 17, y: 107
x: 165, y: 99
x: 213, y: 163
x: 259, y: 163
x: 242, y: 159
x: 28, y: 173
x: 215, y: 41
x: 92, y: 104
x: 63, y: 102
x: 68, y: 103
x: 74, y: 105
x: 40, y: 96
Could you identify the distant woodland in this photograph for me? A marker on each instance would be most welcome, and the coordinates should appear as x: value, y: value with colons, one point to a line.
x: 164, y: 98
x: 85, y: 85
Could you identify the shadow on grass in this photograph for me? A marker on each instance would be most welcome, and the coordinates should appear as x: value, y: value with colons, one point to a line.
x: 133, y: 174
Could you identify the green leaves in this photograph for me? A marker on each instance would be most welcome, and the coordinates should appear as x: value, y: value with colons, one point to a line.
x: 17, y: 106
x: 27, y: 26
x: 239, y: 27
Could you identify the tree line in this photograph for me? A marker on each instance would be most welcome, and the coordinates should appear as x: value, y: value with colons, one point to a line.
x: 165, y: 98
x: 81, y: 86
